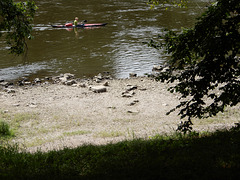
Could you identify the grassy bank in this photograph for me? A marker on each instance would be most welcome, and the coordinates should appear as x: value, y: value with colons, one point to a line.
x: 205, y: 156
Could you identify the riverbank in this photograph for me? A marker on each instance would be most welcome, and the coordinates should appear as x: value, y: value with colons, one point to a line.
x: 69, y: 112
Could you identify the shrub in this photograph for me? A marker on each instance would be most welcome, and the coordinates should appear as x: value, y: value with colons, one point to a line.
x: 5, y: 129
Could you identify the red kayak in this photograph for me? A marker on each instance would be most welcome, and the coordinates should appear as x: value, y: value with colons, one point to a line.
x: 70, y: 25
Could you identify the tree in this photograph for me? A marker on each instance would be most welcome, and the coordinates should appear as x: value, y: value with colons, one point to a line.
x: 204, y: 62
x: 15, y: 23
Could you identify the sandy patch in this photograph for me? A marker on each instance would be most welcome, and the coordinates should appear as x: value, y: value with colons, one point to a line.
x: 51, y: 116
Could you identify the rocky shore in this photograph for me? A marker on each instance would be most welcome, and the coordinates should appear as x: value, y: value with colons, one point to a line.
x: 66, y: 111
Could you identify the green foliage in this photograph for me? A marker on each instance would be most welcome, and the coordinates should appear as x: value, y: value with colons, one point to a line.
x: 5, y: 130
x: 192, y: 156
x: 204, y: 61
x: 15, y: 23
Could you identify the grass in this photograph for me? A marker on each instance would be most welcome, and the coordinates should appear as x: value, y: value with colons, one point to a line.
x: 111, y: 134
x: 230, y: 115
x: 193, y: 156
x: 5, y: 130
x: 17, y: 120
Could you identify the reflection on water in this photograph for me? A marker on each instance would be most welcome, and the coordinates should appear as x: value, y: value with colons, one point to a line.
x: 116, y: 48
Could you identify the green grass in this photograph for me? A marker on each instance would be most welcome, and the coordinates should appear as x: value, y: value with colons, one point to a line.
x: 193, y: 156
x: 17, y: 120
x: 111, y: 134
x: 5, y: 130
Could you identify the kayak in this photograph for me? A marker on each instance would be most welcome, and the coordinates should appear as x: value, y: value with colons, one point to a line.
x: 70, y: 25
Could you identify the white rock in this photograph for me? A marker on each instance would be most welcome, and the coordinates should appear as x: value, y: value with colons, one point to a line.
x: 98, y: 89
x: 8, y: 90
x: 70, y: 82
x: 157, y: 68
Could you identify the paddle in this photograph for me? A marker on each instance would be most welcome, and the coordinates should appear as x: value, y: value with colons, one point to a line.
x: 84, y: 21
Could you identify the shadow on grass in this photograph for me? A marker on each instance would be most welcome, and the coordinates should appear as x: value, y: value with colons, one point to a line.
x: 209, y: 156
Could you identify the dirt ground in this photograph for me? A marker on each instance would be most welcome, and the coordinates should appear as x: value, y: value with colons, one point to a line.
x: 52, y: 116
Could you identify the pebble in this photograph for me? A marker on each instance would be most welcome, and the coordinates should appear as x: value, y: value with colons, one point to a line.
x: 98, y: 80
x: 98, y: 89
x: 32, y: 105
x: 5, y: 111
x: 99, y: 76
x: 27, y: 83
x: 134, y: 102
x: 132, y: 112
x: 127, y: 95
x: 70, y: 82
x: 83, y: 85
x: 106, y: 83
x: 37, y: 80
x: 16, y: 105
x: 132, y: 75
x: 10, y: 90
x: 5, y: 84
x: 131, y: 88
x: 143, y: 89
x: 157, y: 68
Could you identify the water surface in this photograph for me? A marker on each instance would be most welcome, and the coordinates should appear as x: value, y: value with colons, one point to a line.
x: 117, y: 48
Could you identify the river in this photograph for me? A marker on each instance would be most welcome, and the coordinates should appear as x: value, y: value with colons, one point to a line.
x: 117, y: 48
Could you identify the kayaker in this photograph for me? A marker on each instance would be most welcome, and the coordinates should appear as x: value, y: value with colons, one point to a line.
x: 75, y: 21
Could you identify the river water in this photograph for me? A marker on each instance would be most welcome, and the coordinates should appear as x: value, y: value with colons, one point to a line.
x: 116, y: 48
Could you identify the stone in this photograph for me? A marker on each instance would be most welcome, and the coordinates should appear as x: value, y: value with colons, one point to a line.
x: 132, y: 75
x: 27, y: 83
x: 32, y: 105
x: 83, y: 85
x: 68, y: 76
x: 108, y: 77
x: 132, y: 112
x: 106, y: 83
x: 166, y: 69
x: 37, y: 80
x: 99, y: 76
x: 9, y: 90
x: 4, y: 83
x: 98, y: 80
x: 63, y: 79
x: 128, y: 94
x: 5, y: 111
x: 157, y: 68
x: 131, y: 88
x: 70, y: 82
x: 134, y: 102
x: 143, y: 89
x: 75, y: 85
x: 98, y: 89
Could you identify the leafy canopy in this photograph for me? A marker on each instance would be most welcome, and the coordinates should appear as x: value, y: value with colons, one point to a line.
x: 204, y: 61
x: 15, y: 23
